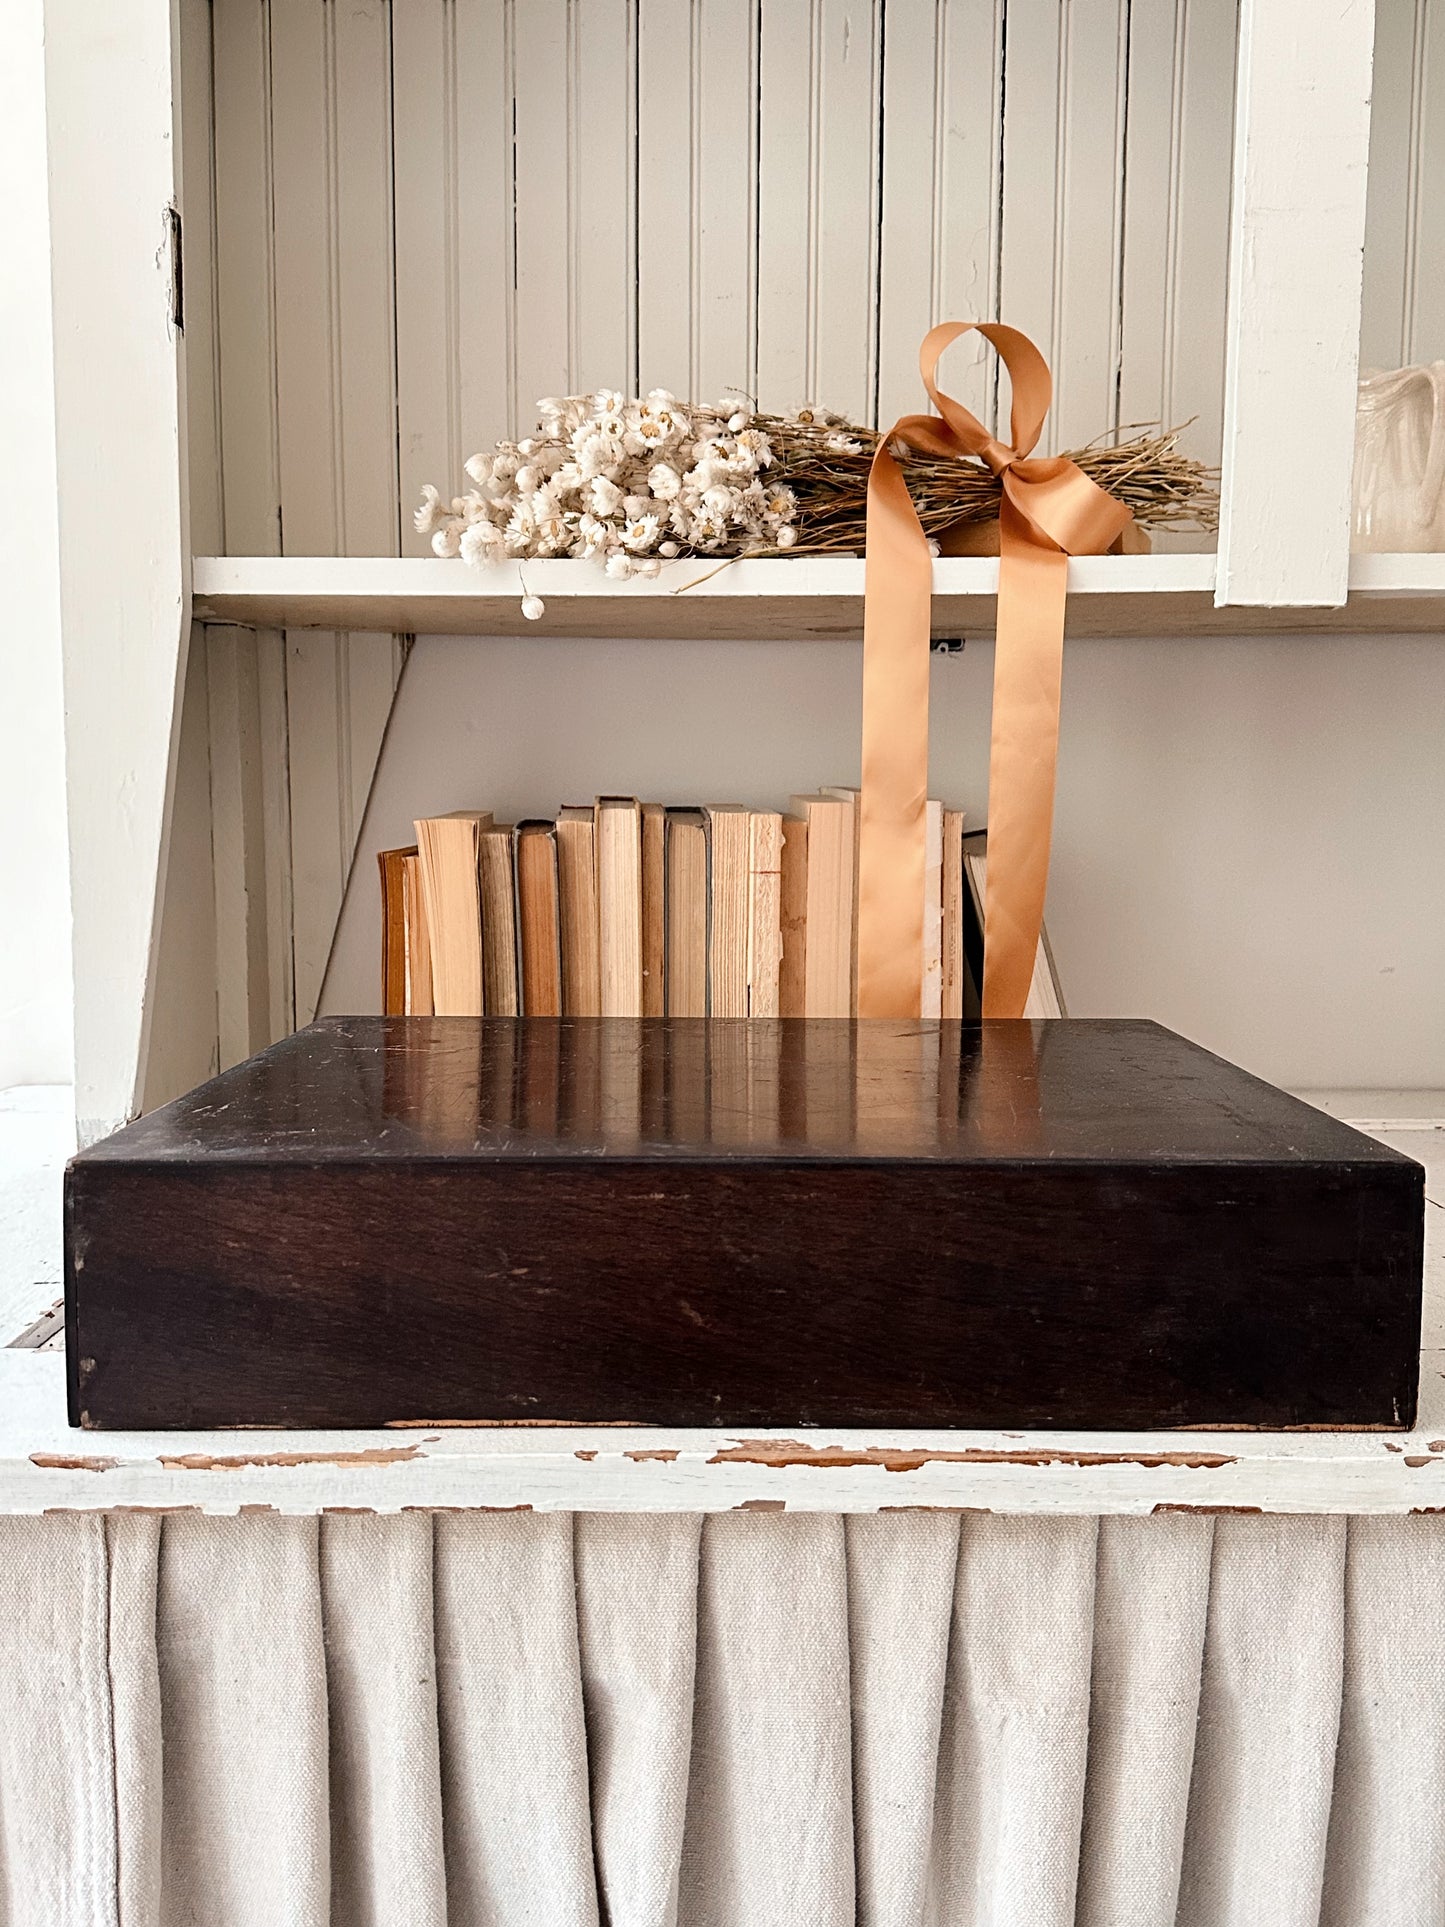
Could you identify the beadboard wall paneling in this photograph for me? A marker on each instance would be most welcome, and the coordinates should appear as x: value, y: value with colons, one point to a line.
x: 1403, y: 317
x: 433, y: 214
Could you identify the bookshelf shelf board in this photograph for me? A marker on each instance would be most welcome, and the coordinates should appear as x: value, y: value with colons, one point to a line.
x: 773, y: 598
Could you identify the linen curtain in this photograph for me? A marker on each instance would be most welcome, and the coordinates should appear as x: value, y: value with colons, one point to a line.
x: 913, y: 1719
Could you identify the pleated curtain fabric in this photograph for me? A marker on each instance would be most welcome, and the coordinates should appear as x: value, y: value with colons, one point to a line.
x: 914, y: 1719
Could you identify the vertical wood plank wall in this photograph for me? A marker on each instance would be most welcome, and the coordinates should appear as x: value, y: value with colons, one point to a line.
x: 408, y: 219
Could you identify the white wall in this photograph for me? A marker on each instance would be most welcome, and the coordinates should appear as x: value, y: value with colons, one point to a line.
x: 35, y: 971
x: 1248, y: 831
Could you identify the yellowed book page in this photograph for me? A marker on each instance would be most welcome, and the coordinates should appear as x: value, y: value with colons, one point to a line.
x: 828, y: 967
x: 654, y: 927
x: 727, y: 951
x: 577, y: 907
x: 793, y: 975
x: 765, y: 911
x: 499, y: 924
x: 619, y: 904
x: 951, y: 996
x: 852, y: 796
x: 418, y: 942
x: 686, y: 914
x: 931, y: 998
x: 448, y: 847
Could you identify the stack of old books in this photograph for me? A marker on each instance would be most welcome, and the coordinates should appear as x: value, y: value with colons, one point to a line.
x: 625, y: 909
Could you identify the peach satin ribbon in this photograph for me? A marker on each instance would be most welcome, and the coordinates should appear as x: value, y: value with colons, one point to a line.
x: 1050, y: 511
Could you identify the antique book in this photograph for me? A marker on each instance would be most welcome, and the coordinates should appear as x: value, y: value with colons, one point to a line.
x: 539, y: 943
x: 954, y: 966
x: 828, y: 960
x: 392, y: 865
x: 793, y: 909
x: 577, y: 898
x: 654, y: 912
x: 1046, y: 997
x: 499, y: 923
x: 449, y: 848
x: 418, y: 1000
x: 765, y: 911
x: 727, y: 912
x: 619, y: 904
x: 685, y: 857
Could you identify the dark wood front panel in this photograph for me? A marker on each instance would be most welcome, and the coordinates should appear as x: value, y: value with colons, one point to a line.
x: 745, y: 1293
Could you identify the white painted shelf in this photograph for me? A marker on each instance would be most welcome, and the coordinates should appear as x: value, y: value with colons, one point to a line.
x: 45, y: 1466
x: 783, y: 598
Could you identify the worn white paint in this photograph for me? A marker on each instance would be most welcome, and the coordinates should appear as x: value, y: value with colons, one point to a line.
x: 45, y: 1465
x: 35, y: 981
x: 124, y: 587
x: 1301, y: 151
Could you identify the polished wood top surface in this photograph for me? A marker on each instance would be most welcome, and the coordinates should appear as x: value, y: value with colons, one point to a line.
x: 1095, y: 1091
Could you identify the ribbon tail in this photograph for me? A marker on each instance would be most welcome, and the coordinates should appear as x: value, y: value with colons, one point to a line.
x: 898, y: 590
x: 1027, y: 677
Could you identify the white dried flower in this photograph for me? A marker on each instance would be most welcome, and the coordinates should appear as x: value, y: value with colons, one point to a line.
x: 528, y: 478
x: 521, y: 531
x: 668, y: 548
x: 533, y: 608
x: 592, y: 535
x: 430, y: 512
x: 843, y: 445
x: 640, y: 534
x: 619, y: 566
x: 528, y: 447
x: 635, y: 505
x: 754, y: 448
x: 446, y: 542
x: 608, y: 405
x: 479, y: 467
x: 721, y: 501
x: 481, y: 542
x: 664, y: 481
x: 604, y: 496
x: 786, y: 537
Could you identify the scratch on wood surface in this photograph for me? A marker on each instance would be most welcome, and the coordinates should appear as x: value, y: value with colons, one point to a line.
x: 780, y: 1453
x: 762, y: 1505
x: 66, y: 1462
x: 642, y: 1457
x: 370, y: 1455
x: 586, y: 1455
x: 1416, y: 1459
x: 242, y: 1511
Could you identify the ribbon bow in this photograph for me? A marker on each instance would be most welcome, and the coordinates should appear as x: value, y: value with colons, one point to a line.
x: 1050, y: 511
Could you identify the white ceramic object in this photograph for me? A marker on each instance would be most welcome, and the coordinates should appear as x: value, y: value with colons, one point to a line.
x: 1399, y: 486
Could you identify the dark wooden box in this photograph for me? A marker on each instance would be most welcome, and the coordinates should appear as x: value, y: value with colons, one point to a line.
x: 1083, y: 1224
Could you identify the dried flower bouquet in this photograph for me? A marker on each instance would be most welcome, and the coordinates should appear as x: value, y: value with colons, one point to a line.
x: 634, y: 483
